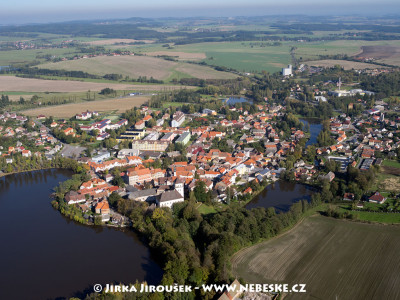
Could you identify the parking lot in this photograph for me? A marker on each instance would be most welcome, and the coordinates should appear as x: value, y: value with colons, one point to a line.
x: 71, y: 151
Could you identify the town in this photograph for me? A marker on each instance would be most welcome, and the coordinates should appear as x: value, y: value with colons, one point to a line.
x: 229, y: 157
x: 168, y: 156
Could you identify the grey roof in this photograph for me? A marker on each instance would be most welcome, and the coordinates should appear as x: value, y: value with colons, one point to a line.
x: 264, y: 171
x: 167, y: 135
x: 150, y: 154
x: 170, y: 195
x: 143, y: 193
x: 182, y: 137
x: 131, y: 189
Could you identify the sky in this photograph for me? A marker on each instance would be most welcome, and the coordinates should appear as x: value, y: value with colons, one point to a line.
x: 42, y: 11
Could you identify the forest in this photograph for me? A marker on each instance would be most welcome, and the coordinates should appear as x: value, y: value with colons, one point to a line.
x: 386, y: 84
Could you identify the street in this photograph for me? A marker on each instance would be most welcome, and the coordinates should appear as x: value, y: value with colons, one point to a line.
x: 67, y: 150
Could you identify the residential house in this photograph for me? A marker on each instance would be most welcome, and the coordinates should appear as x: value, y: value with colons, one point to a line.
x: 178, y: 119
x: 103, y: 208
x: 377, y: 198
x: 184, y: 138
x: 73, y: 197
x: 348, y: 197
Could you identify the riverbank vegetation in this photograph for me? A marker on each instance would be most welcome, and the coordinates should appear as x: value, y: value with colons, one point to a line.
x: 25, y: 164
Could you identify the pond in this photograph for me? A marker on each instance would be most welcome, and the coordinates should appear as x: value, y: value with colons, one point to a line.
x: 44, y: 255
x: 281, y: 195
x: 315, y: 129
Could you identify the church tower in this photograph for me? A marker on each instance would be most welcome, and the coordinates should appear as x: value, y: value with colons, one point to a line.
x: 180, y: 187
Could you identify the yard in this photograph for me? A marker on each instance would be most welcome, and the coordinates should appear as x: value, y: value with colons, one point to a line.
x: 205, y: 209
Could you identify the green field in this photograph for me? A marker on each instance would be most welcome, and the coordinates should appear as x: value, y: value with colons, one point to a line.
x: 242, y: 56
x: 335, y: 259
x: 376, y: 217
x: 312, y: 50
x: 257, y: 57
x: 391, y: 163
x: 172, y: 104
x: 23, y: 56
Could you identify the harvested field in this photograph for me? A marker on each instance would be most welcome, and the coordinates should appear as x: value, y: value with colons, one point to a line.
x: 379, y: 52
x: 68, y: 110
x: 117, y: 41
x: 179, y: 55
x: 347, y: 65
x: 136, y: 66
x: 387, y: 54
x: 336, y: 259
x: 17, y: 84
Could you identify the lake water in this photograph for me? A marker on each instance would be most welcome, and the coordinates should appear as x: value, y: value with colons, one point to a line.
x: 315, y: 129
x: 44, y: 255
x: 234, y: 100
x: 281, y: 195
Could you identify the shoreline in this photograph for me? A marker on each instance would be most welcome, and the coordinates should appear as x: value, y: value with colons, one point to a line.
x: 31, y: 170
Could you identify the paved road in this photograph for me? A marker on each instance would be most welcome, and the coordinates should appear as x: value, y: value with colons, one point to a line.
x: 67, y: 150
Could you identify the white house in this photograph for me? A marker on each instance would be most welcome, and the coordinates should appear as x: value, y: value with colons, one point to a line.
x: 287, y: 71
x: 178, y: 119
x: 169, y: 198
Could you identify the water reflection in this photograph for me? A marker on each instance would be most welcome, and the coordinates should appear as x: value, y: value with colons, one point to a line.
x: 52, y: 256
x: 315, y: 129
x: 281, y: 195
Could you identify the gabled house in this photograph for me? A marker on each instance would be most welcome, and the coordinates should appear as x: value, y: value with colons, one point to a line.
x: 377, y: 198
x: 169, y: 198
x: 73, y: 197
x: 348, y: 197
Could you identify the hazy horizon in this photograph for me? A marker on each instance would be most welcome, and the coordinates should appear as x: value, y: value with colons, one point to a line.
x: 24, y: 11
